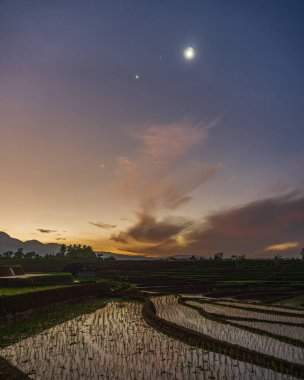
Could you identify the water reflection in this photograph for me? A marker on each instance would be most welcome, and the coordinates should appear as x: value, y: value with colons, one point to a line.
x: 116, y: 343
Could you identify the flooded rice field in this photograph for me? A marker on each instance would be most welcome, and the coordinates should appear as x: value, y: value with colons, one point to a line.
x: 293, y: 332
x: 231, y: 311
x: 168, y: 308
x: 116, y: 343
x: 262, y: 307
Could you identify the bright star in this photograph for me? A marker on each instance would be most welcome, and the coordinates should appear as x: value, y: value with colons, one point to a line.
x: 137, y: 76
x: 189, y: 53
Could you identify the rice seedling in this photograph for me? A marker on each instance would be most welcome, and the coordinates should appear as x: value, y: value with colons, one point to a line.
x: 168, y: 308
x: 266, y: 308
x: 294, y: 332
x: 283, y: 331
x: 234, y: 312
x: 116, y: 343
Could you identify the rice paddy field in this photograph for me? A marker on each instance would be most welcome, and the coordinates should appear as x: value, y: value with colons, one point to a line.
x: 193, y: 320
x: 235, y: 312
x: 230, y: 328
x: 256, y: 306
x: 116, y: 342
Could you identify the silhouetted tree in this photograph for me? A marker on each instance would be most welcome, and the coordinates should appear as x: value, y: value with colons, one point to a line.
x: 302, y: 253
x: 238, y: 259
x: 277, y: 259
x: 62, y: 251
x: 80, y: 252
x: 7, y: 254
x: 219, y: 256
x: 49, y: 256
x: 19, y: 253
x: 30, y: 255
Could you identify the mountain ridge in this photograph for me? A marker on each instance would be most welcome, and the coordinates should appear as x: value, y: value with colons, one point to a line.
x: 8, y: 243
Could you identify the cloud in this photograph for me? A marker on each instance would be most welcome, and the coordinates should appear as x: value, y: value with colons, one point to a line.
x: 255, y: 229
x: 149, y: 230
x: 162, y: 173
x: 45, y: 231
x: 120, y: 237
x: 103, y: 225
x: 149, y: 233
x: 165, y: 142
x: 282, y: 246
x: 175, y: 190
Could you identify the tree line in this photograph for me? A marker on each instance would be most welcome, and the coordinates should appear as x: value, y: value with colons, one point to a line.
x: 78, y: 251
x: 75, y: 251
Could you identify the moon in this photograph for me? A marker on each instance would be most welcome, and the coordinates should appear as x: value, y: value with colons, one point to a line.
x: 189, y: 53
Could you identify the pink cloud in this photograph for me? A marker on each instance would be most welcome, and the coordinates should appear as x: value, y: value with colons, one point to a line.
x: 166, y: 142
x: 160, y: 174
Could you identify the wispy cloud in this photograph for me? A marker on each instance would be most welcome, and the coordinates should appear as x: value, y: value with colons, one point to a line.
x: 162, y: 173
x: 282, y: 246
x: 45, y: 231
x: 165, y: 142
x: 105, y: 226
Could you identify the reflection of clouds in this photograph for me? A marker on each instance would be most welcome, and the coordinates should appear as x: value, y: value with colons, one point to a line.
x: 116, y: 343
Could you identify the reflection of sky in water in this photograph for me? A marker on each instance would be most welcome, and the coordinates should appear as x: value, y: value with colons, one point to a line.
x: 116, y: 343
x: 168, y: 308
x: 295, y: 332
x: 259, y: 306
x: 233, y: 312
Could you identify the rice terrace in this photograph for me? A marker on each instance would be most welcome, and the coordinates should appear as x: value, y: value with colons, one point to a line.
x: 153, y: 320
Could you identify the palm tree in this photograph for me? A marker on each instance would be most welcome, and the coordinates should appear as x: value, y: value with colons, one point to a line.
x: 62, y: 251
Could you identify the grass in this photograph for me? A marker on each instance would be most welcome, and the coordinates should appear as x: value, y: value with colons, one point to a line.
x: 115, y: 285
x: 27, y: 289
x: 35, y: 324
x: 53, y: 278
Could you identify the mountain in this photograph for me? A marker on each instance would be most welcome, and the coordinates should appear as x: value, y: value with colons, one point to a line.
x: 7, y: 243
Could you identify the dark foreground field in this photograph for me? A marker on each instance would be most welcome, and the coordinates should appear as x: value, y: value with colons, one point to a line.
x: 267, y: 279
x: 226, y: 327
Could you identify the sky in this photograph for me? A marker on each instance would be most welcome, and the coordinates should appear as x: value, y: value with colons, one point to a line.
x: 109, y: 136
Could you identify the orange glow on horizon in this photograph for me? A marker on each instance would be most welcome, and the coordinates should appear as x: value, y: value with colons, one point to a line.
x: 282, y: 247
